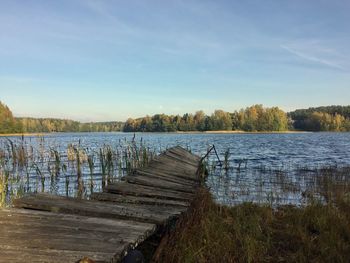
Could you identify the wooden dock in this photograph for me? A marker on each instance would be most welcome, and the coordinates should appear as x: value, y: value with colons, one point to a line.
x: 47, y: 228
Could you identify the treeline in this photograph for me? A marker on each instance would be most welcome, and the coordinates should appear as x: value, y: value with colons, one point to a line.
x: 8, y: 124
x: 330, y: 118
x: 33, y: 125
x: 254, y: 118
x: 112, y: 126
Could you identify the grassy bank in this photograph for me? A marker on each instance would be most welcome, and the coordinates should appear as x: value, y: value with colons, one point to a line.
x: 318, y: 232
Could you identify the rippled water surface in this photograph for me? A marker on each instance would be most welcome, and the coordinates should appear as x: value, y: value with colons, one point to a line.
x: 252, y: 164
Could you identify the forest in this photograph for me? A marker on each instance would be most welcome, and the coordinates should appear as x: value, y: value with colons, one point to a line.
x: 330, y: 118
x: 34, y: 125
x: 10, y: 124
x: 251, y: 119
x: 256, y: 118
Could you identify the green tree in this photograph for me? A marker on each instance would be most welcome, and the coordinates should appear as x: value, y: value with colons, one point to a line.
x: 130, y: 125
x: 221, y: 120
x: 199, y: 120
x: 8, y: 123
x: 329, y: 118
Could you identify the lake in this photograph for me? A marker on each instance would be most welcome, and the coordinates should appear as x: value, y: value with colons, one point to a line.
x: 256, y: 164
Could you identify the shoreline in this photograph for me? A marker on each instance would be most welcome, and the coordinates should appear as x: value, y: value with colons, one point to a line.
x: 175, y: 132
x: 24, y: 134
x: 240, y: 132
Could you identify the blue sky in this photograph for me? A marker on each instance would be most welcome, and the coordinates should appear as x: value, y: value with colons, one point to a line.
x: 96, y: 60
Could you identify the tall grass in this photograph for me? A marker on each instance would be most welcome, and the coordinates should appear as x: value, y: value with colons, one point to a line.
x: 316, y: 232
x: 4, y: 177
x: 236, y: 182
x: 71, y: 170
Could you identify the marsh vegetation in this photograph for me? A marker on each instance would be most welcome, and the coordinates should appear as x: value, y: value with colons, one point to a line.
x: 317, y: 231
x: 29, y: 166
x: 274, y: 168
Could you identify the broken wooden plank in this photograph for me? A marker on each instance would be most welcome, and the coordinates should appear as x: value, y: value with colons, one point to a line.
x: 183, y: 177
x: 37, y: 236
x: 147, y: 191
x: 180, y: 160
x: 158, y: 183
x: 142, y: 213
x: 172, y: 169
x: 183, y: 152
x: 167, y: 177
x: 180, y: 163
x: 137, y: 200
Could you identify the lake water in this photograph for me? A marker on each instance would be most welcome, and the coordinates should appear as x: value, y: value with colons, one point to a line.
x: 253, y: 159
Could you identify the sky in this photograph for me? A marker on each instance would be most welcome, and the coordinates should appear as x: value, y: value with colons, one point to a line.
x: 107, y: 60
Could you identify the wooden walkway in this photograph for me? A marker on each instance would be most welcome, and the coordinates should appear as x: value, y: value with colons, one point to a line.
x: 46, y: 228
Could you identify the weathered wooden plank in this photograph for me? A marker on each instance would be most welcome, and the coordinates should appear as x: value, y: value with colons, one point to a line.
x: 60, y: 241
x: 22, y: 216
x: 142, y: 213
x: 170, y: 157
x: 20, y: 254
x: 172, y: 169
x: 137, y: 200
x: 158, y: 183
x: 183, y: 152
x: 181, y: 164
x: 167, y: 177
x: 180, y: 160
x: 147, y: 191
x: 166, y: 172
x: 52, y: 237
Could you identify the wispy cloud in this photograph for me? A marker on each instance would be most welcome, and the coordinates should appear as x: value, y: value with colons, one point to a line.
x: 172, y: 36
x: 316, y: 54
x: 104, y: 11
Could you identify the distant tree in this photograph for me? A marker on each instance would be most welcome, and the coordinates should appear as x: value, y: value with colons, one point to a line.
x: 258, y: 118
x: 251, y: 118
x: 277, y: 120
x: 199, y: 120
x: 330, y: 118
x: 221, y: 120
x: 8, y: 123
x: 146, y: 124
x: 129, y: 125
